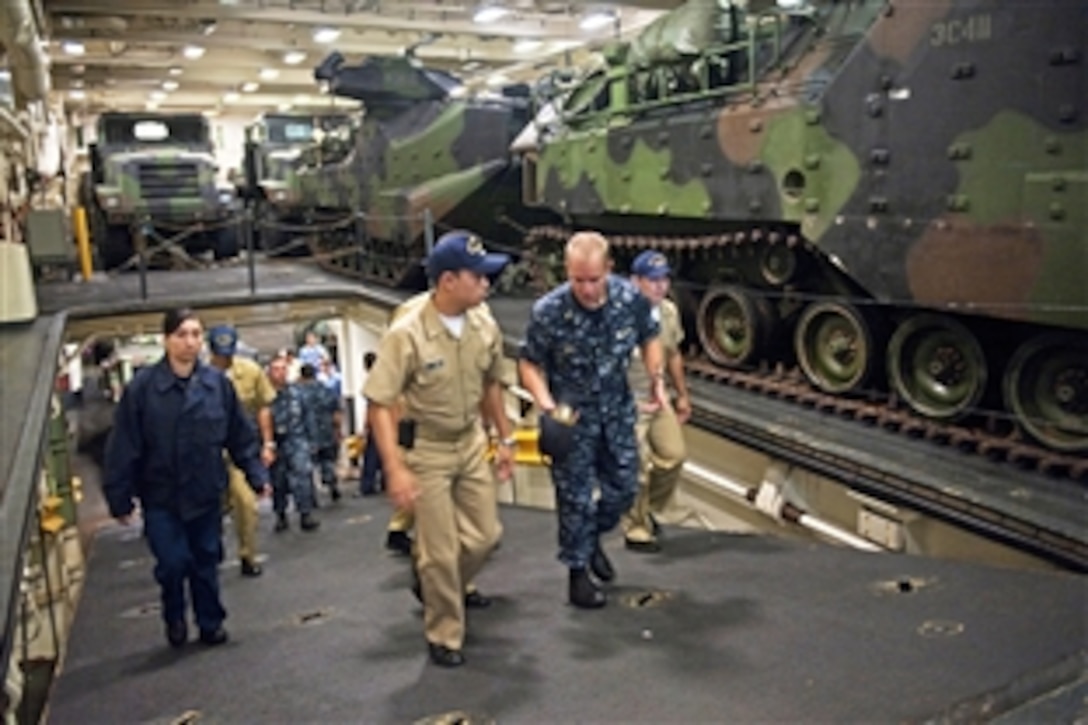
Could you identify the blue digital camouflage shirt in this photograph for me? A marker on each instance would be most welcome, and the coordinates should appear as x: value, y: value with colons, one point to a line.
x: 583, y: 353
x: 293, y: 421
x: 323, y: 403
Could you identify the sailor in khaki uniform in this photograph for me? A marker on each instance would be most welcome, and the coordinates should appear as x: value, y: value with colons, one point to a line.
x: 660, y: 439
x: 398, y: 538
x: 440, y: 364
x: 256, y: 394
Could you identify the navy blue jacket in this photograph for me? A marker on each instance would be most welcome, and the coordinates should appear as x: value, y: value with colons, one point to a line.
x: 168, y: 438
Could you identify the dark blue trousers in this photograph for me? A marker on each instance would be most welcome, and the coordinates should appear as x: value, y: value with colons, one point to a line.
x: 187, y: 551
x: 372, y: 465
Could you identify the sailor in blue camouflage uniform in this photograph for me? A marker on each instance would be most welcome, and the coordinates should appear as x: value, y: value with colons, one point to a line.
x: 325, y: 405
x: 576, y: 352
x: 295, y: 431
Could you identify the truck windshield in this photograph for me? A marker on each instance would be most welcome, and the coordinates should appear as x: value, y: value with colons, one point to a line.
x: 165, y: 130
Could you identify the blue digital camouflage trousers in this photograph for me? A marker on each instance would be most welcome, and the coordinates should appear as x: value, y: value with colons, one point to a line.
x: 604, y: 456
x: 293, y: 473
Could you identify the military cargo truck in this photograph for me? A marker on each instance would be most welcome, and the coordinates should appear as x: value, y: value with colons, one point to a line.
x: 154, y: 174
x: 277, y: 145
x: 888, y: 196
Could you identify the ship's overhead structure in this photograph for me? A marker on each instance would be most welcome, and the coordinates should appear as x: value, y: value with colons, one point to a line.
x: 891, y: 194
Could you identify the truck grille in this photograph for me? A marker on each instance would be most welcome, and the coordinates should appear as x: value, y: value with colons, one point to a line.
x: 167, y: 180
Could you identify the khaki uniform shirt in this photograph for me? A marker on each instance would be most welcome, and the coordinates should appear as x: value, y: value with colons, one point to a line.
x: 672, y: 334
x: 440, y: 377
x: 252, y: 386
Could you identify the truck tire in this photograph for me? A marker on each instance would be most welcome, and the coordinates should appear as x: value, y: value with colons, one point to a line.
x: 115, y: 246
x: 225, y: 242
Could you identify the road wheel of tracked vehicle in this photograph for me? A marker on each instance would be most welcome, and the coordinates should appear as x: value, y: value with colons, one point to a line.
x: 735, y: 326
x: 115, y: 247
x: 1046, y: 387
x: 938, y: 366
x: 779, y: 264
x: 835, y: 345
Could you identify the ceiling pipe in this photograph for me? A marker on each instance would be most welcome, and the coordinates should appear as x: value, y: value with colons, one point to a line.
x: 26, y: 59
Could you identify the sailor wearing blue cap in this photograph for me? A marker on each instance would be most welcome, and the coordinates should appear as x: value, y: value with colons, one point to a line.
x: 437, y: 366
x: 658, y: 429
x: 255, y: 393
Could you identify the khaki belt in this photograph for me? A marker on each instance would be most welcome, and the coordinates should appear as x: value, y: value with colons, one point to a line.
x: 439, y: 435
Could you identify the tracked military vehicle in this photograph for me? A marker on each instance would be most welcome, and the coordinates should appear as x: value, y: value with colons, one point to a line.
x: 277, y: 145
x: 421, y: 150
x: 888, y: 196
x: 155, y: 175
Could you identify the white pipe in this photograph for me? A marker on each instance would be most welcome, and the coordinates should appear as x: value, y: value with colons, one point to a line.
x: 728, y: 485
x: 808, y: 521
x: 834, y: 532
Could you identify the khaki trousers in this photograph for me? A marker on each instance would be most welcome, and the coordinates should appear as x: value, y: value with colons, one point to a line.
x: 457, y: 527
x: 661, y: 452
x: 241, y: 502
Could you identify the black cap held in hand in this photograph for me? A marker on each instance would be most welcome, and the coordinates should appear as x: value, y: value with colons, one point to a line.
x: 556, y: 439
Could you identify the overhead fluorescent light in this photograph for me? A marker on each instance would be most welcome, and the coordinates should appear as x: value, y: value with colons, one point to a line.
x: 326, y: 35
x: 269, y: 74
x: 596, y: 20
x: 73, y: 47
x: 294, y: 57
x: 489, y: 14
x: 283, y: 107
x: 230, y: 97
x: 527, y: 45
x: 497, y: 79
x: 77, y: 94
x: 250, y: 86
x: 169, y: 85
x: 192, y: 52
x: 157, y: 95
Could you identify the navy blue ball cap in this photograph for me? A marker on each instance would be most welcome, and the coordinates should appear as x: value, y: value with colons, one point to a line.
x: 223, y: 340
x: 459, y: 250
x: 651, y: 265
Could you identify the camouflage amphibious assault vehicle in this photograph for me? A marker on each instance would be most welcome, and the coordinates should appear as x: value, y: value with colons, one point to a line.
x: 156, y: 174
x: 891, y: 195
x: 420, y: 148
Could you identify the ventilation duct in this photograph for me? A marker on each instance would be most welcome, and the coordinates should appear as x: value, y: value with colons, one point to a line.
x: 28, y: 64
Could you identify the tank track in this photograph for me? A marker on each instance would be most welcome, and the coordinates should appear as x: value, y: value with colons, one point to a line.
x: 987, y: 435
x: 332, y: 247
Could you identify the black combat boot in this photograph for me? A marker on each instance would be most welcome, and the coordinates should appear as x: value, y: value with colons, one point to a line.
x: 281, y: 522
x: 399, y: 542
x: 583, y: 592
x: 307, y: 522
x: 601, y: 565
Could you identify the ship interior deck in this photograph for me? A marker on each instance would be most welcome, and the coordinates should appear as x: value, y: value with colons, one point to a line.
x: 718, y: 627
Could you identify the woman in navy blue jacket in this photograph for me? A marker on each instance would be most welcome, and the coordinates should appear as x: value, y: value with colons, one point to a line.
x: 170, y: 429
